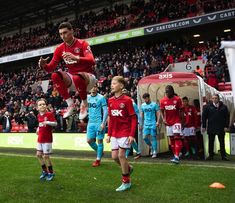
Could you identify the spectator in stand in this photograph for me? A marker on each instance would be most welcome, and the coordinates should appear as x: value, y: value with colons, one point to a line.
x: 212, y: 79
x: 199, y: 71
x: 6, y: 122
x: 219, y: 71
x: 61, y: 122
x: 32, y: 122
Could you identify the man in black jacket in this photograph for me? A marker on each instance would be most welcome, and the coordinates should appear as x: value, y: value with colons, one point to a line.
x: 215, y: 118
x: 6, y: 122
x: 32, y: 122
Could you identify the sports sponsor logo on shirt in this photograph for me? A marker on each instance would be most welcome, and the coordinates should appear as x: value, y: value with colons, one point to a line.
x: 70, y: 61
x: 170, y: 107
x: 116, y: 112
x: 76, y: 50
x: 148, y: 110
x: 92, y: 105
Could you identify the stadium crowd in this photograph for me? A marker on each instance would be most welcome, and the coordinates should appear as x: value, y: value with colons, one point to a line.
x: 118, y: 17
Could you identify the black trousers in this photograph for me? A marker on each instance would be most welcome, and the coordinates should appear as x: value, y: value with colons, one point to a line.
x: 221, y: 142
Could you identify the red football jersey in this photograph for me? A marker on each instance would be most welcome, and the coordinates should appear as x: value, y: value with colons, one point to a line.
x: 78, y: 48
x: 172, y: 107
x: 45, y: 132
x: 189, y: 116
x: 120, y: 111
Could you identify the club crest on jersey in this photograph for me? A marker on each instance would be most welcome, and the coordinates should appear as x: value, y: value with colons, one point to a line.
x: 88, y: 49
x: 76, y: 50
x: 122, y: 105
x: 174, y: 101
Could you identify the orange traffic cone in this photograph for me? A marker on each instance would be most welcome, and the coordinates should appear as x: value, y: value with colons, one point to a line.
x: 217, y: 185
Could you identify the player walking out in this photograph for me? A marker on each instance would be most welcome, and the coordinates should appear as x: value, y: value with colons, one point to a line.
x: 121, y: 128
x: 171, y: 106
x: 98, y: 113
x: 150, y: 114
x: 189, y: 133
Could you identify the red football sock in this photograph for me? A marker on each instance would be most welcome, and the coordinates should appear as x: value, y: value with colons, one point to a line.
x: 60, y: 86
x: 126, y: 178
x: 81, y: 86
x: 172, y: 144
x: 178, y: 146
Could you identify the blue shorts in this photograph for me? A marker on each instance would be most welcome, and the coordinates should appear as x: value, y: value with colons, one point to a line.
x: 93, y: 131
x: 149, y: 130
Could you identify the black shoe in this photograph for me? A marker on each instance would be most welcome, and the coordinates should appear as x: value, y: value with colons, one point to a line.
x: 209, y: 158
x: 225, y: 158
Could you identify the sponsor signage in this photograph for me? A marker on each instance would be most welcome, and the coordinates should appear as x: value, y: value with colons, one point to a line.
x: 190, y: 22
x: 74, y: 141
x: 92, y: 41
x: 116, y: 36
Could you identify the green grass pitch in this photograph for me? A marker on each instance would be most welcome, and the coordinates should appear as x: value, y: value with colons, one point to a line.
x: 77, y: 181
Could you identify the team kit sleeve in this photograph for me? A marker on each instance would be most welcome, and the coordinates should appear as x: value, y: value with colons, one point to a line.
x: 132, y: 115
x: 162, y: 104
x: 57, y: 57
x: 87, y: 57
x: 137, y: 112
x: 52, y: 117
x: 157, y: 108
x: 51, y: 120
x: 105, y: 110
x: 109, y: 120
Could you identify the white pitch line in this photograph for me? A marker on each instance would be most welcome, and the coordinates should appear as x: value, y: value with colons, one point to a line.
x: 136, y: 162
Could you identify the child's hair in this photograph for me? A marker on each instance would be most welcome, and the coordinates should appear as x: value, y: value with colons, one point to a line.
x: 120, y: 79
x: 41, y: 99
x: 146, y: 95
x: 185, y: 98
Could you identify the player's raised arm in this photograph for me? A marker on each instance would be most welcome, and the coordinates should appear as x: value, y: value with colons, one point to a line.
x: 49, y: 67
